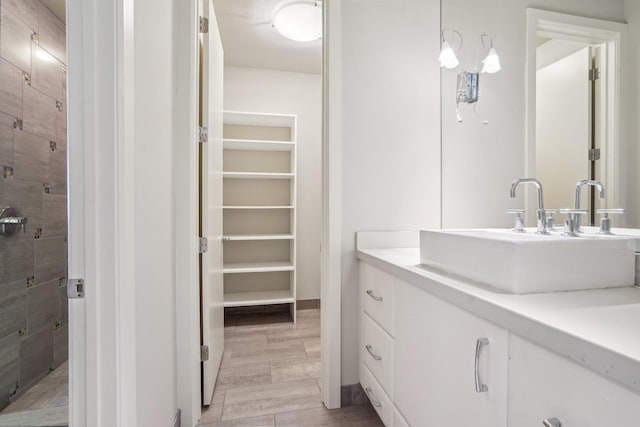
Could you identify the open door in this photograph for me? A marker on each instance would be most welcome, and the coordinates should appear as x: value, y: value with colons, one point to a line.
x: 211, y: 287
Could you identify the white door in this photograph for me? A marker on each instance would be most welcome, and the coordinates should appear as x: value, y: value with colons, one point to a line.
x: 435, y: 349
x: 212, y: 67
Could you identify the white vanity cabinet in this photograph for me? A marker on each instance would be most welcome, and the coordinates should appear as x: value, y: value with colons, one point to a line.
x: 436, y: 348
x: 418, y: 357
x: 545, y: 385
x: 376, y: 343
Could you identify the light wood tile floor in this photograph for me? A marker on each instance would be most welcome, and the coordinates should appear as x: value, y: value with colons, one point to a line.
x: 44, y: 404
x: 270, y: 374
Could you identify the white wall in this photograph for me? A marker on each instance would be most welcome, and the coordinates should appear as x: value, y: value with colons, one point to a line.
x: 562, y: 128
x: 154, y: 214
x: 391, y: 133
x: 479, y: 162
x: 631, y: 132
x: 271, y: 91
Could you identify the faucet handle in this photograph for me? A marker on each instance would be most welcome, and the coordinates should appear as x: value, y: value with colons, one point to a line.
x: 551, y: 218
x: 519, y: 225
x: 605, y: 222
x: 570, y: 224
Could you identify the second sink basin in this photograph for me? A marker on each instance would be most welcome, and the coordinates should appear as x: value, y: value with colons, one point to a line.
x: 522, y: 263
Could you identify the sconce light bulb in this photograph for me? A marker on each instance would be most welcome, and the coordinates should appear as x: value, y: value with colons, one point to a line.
x: 448, y: 57
x: 491, y: 64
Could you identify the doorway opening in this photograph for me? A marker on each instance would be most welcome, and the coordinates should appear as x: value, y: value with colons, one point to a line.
x: 570, y: 101
x: 263, y: 151
x: 34, y: 330
x: 573, y: 107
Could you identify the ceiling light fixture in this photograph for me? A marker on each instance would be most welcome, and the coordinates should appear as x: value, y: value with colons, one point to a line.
x: 299, y: 21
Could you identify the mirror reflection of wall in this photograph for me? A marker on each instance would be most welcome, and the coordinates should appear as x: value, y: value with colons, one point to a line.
x: 565, y: 122
x: 479, y: 163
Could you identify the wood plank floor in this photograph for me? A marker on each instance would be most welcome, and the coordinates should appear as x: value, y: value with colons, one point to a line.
x: 270, y: 376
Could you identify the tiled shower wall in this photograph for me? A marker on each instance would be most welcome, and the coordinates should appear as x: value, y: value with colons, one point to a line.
x: 33, y: 265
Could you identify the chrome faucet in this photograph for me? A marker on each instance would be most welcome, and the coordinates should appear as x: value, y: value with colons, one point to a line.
x: 579, y: 186
x: 541, y: 220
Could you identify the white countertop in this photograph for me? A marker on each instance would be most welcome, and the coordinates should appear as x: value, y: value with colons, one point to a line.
x: 599, y: 329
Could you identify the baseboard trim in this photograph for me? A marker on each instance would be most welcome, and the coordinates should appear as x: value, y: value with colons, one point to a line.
x: 177, y: 419
x: 352, y: 394
x: 308, y: 304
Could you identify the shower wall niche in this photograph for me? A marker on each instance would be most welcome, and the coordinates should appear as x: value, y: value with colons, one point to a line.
x: 33, y: 264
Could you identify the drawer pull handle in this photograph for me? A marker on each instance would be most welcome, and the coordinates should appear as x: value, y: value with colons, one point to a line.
x: 551, y: 422
x: 480, y: 387
x: 374, y: 296
x: 370, y: 350
x: 374, y: 402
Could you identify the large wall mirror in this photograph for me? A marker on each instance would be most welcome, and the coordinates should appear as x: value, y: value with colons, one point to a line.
x: 563, y: 108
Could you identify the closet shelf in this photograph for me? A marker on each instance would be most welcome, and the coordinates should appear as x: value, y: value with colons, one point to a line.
x: 257, y: 145
x: 257, y: 267
x: 239, y: 299
x: 257, y: 175
x: 246, y: 237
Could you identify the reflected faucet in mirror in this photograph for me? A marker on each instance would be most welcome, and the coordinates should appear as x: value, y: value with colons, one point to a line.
x: 541, y: 216
x: 579, y: 186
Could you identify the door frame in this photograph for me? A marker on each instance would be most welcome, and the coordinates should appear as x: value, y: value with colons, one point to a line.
x: 100, y: 46
x: 101, y: 124
x: 186, y: 201
x: 589, y: 31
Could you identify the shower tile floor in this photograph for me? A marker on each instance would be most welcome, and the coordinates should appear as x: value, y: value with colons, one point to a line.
x: 270, y: 376
x: 44, y: 404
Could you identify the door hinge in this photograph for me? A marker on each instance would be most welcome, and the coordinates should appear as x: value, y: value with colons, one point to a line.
x: 594, y: 154
x: 204, y: 245
x: 203, y: 135
x: 204, y: 25
x: 75, y: 288
x: 204, y: 353
x: 594, y: 74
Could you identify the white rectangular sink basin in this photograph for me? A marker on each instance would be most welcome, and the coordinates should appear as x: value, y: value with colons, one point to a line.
x: 523, y: 263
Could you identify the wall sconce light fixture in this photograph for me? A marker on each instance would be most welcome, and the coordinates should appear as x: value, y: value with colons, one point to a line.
x: 468, y: 83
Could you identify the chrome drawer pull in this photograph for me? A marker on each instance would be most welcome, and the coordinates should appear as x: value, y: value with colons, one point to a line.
x: 551, y: 422
x: 374, y: 296
x: 374, y: 402
x: 370, y: 350
x: 480, y: 388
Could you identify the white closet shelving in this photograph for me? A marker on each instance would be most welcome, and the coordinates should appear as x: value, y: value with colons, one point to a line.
x: 259, y: 209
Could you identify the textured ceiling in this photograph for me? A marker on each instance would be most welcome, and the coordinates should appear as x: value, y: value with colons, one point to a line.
x: 249, y: 40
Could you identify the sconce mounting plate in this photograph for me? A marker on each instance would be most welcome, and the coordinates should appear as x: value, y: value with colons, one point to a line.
x: 468, y: 84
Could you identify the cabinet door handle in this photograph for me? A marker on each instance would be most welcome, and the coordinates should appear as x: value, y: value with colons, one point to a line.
x: 374, y: 402
x: 374, y: 296
x: 370, y: 350
x: 551, y: 422
x: 480, y: 388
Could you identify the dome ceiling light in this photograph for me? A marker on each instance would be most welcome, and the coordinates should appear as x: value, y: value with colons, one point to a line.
x: 299, y: 21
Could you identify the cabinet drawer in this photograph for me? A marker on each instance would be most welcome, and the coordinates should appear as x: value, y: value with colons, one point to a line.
x: 376, y: 348
x: 378, y: 398
x: 377, y: 294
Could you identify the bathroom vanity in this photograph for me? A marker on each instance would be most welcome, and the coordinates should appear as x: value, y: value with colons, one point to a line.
x: 441, y: 350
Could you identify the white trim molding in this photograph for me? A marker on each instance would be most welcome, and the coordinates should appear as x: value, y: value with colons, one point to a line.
x: 100, y: 158
x: 331, y: 206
